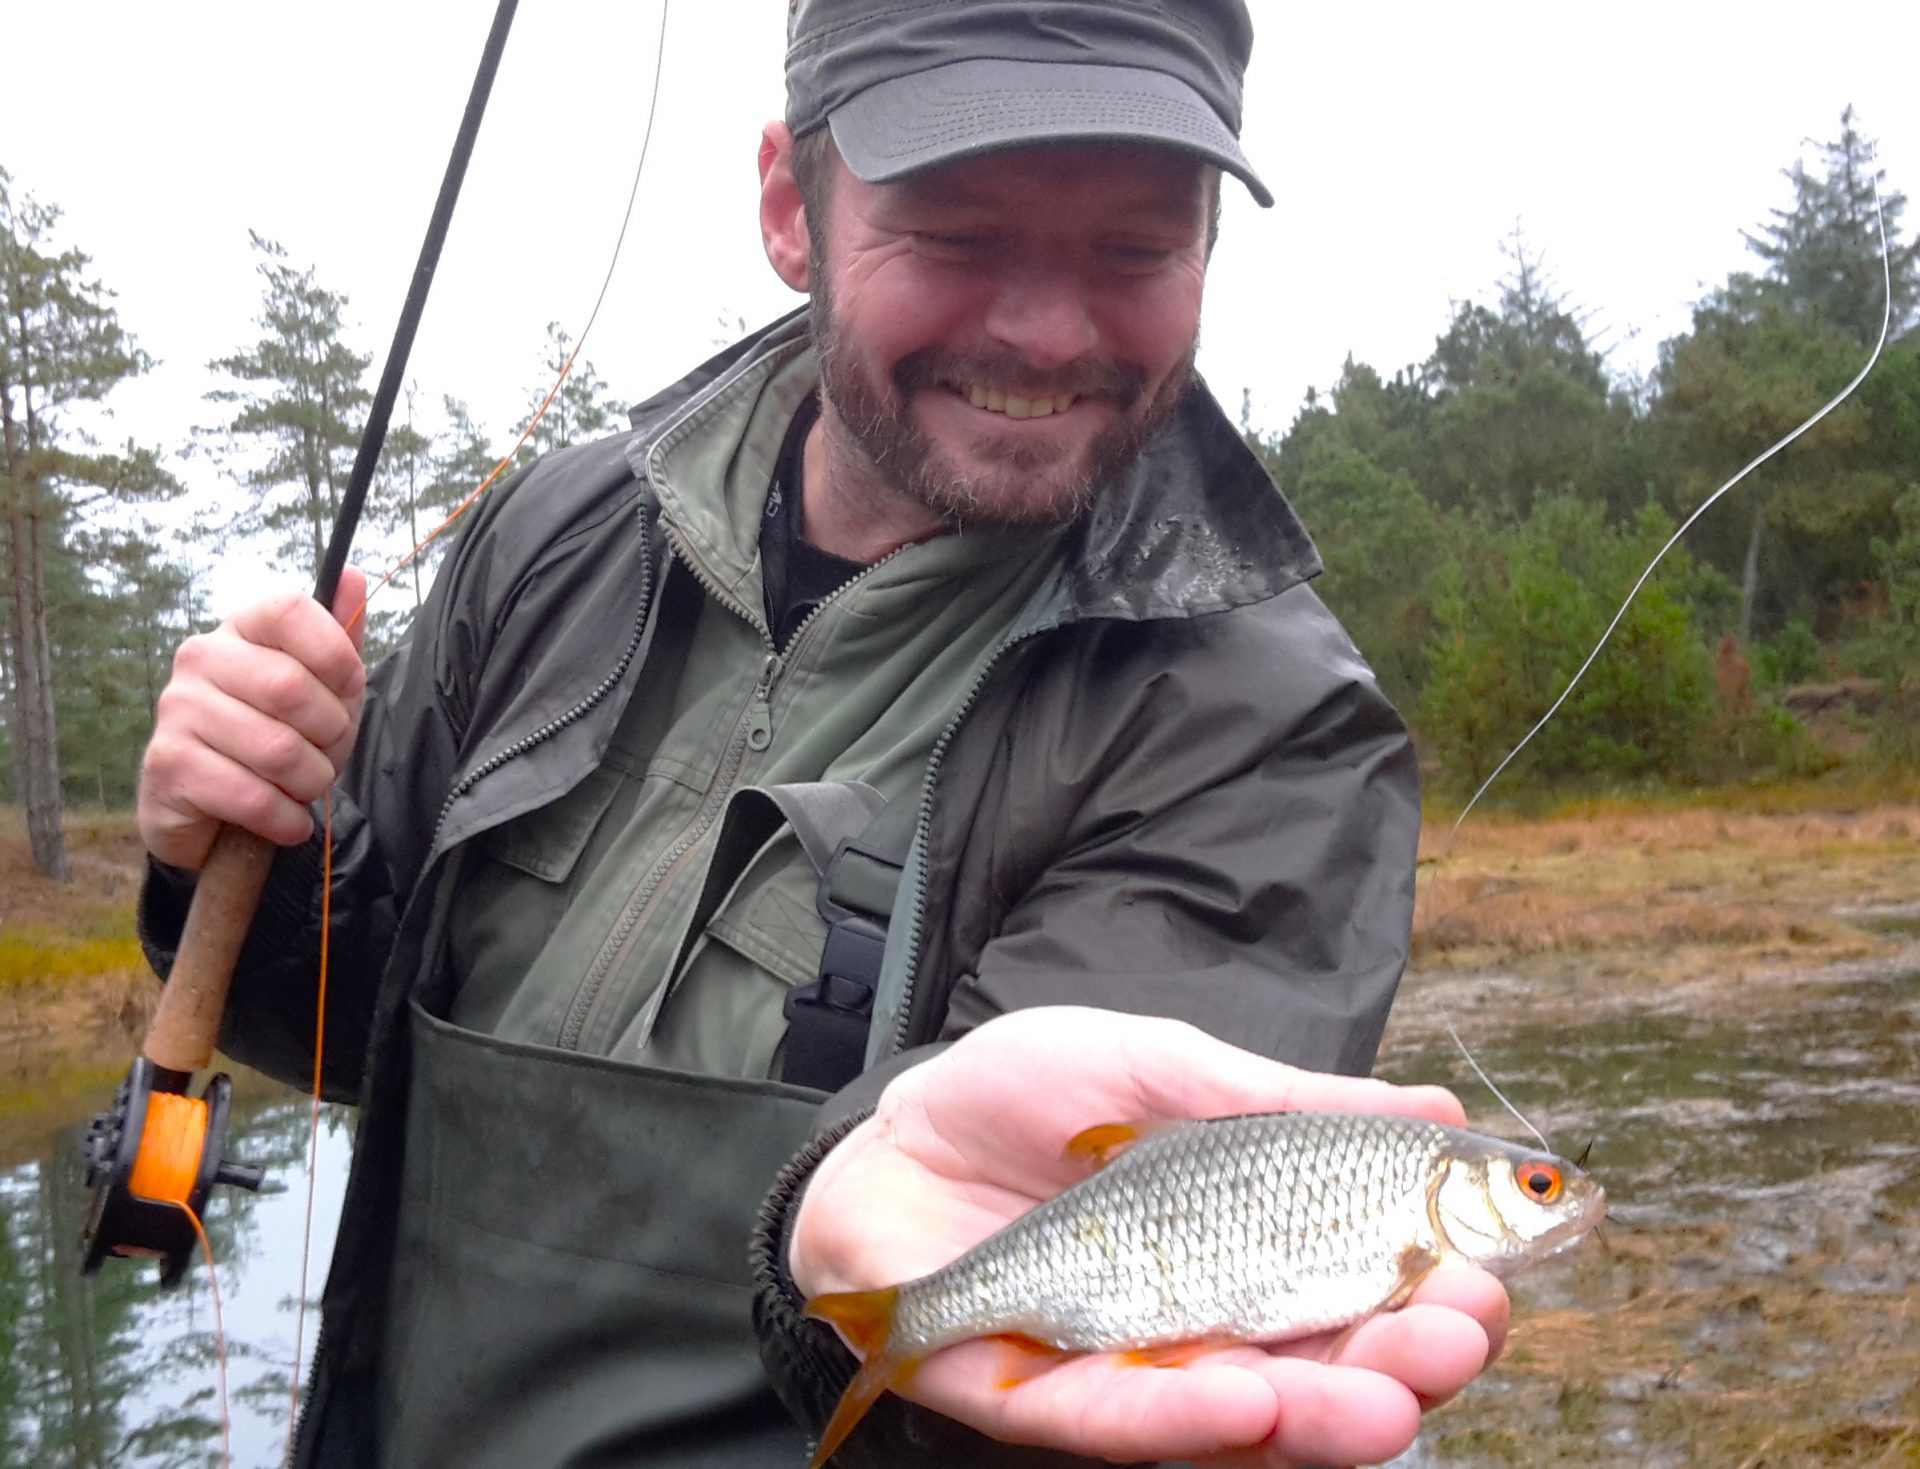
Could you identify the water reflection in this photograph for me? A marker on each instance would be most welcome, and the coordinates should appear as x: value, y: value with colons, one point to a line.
x: 109, y: 1370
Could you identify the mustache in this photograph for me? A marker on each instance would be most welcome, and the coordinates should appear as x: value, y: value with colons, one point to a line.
x: 1092, y: 377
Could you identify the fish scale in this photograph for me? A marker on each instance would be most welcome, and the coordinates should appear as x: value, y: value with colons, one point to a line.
x: 1257, y: 1228
x: 1304, y: 1216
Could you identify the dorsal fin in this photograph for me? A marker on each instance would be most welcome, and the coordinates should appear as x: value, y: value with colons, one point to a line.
x: 1100, y: 1145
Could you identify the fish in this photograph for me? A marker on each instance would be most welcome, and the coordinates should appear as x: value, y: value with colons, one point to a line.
x: 1255, y: 1228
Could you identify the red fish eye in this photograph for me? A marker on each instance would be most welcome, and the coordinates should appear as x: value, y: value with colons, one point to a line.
x: 1541, y: 1180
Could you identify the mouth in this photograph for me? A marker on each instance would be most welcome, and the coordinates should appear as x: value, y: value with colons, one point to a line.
x: 1011, y: 404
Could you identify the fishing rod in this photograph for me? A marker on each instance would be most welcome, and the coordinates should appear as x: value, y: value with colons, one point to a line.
x: 154, y: 1156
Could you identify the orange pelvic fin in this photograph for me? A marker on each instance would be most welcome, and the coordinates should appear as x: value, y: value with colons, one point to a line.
x: 1025, y: 1359
x: 1099, y: 1146
x: 865, y: 1319
x: 1179, y: 1354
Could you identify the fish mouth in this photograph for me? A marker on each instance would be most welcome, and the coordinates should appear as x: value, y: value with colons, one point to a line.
x: 1569, y: 1233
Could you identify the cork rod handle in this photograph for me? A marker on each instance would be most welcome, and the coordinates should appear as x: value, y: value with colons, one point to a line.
x: 187, y: 1024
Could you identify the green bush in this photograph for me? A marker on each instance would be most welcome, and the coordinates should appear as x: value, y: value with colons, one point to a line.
x: 1791, y: 656
x: 1516, y: 616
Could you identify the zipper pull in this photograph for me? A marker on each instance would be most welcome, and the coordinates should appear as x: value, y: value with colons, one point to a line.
x: 759, y: 716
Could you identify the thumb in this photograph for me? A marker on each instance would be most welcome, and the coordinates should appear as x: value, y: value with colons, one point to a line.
x: 350, y: 604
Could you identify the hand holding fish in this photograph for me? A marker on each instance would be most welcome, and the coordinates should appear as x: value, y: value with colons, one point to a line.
x: 976, y: 1138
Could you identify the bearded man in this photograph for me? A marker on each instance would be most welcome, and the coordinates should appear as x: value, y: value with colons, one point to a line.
x: 791, y: 820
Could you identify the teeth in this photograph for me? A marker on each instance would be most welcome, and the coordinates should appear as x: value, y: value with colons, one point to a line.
x: 1015, y: 406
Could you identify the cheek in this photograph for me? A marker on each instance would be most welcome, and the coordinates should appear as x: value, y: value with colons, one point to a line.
x: 1154, y: 326
x: 897, y: 311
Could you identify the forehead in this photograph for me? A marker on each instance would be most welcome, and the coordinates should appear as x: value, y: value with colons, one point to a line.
x: 1111, y: 178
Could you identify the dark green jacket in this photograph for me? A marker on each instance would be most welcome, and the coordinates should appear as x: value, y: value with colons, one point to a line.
x: 1176, y: 791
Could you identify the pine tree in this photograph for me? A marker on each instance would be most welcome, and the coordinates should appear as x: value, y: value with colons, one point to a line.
x: 583, y: 408
x: 61, y: 345
x: 1823, y: 252
x: 301, y: 410
x: 1522, y: 404
x: 1765, y: 352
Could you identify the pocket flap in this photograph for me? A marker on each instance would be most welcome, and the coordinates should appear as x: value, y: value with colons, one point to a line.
x: 547, y: 842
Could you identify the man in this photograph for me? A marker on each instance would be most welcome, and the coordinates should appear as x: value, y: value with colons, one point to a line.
x: 764, y: 793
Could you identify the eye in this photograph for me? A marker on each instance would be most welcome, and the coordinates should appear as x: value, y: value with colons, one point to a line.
x: 1135, y: 259
x: 959, y: 247
x: 1540, y: 1181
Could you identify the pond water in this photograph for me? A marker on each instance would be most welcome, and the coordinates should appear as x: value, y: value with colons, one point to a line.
x: 1761, y: 1152
x: 108, y: 1369
x: 1760, y: 1146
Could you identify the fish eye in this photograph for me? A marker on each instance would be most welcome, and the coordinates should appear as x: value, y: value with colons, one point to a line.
x: 1540, y: 1181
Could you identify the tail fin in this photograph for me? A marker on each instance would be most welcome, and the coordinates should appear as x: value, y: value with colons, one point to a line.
x: 865, y: 1318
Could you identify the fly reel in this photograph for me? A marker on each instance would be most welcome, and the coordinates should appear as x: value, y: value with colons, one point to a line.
x: 152, y: 1157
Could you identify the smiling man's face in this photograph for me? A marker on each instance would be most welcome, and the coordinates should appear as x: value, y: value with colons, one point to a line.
x: 999, y: 336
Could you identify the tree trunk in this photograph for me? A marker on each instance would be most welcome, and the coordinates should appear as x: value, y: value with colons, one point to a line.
x: 1750, y: 577
x: 38, y: 755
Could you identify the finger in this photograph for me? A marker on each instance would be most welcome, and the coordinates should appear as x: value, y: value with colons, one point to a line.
x: 1180, y: 1071
x: 350, y: 605
x: 273, y: 751
x: 299, y: 627
x: 1435, y: 1351
x: 1477, y: 1294
x: 1332, y: 1414
x: 267, y: 680
x: 187, y: 794
x: 1095, y: 1406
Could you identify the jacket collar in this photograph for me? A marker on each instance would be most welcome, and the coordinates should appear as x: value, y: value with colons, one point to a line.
x: 1196, y: 525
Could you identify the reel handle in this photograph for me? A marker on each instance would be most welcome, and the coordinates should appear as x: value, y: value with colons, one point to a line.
x: 184, y: 1029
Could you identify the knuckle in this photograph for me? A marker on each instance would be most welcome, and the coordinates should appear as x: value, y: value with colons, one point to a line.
x: 282, y: 752
x: 190, y: 658
x: 283, y: 688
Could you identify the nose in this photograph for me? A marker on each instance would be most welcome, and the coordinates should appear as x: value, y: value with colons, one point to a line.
x: 1043, y: 314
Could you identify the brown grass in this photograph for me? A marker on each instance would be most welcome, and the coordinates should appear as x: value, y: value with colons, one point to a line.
x: 70, y: 966
x: 1666, y: 894
x: 1762, y: 1372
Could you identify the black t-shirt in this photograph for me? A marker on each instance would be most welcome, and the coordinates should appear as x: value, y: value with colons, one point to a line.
x: 796, y: 577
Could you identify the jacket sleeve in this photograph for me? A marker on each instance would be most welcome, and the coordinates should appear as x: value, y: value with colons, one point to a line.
x: 1225, y: 835
x: 1215, y: 822
x: 384, y: 808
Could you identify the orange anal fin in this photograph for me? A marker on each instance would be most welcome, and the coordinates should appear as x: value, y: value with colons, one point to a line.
x: 1025, y: 1359
x: 1099, y: 1146
x: 1175, y: 1354
x: 865, y: 1319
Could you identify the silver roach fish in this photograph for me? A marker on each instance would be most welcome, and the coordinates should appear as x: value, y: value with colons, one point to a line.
x: 1242, y: 1229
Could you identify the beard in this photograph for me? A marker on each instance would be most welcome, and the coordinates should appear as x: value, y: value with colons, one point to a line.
x: 1015, y: 485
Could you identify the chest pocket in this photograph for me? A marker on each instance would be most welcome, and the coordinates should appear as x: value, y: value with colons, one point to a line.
x: 509, y: 904
x: 779, y: 972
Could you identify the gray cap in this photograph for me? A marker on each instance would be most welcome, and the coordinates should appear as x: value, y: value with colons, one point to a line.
x: 907, y: 84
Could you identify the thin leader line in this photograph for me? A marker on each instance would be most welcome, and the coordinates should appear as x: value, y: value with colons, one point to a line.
x: 1886, y: 319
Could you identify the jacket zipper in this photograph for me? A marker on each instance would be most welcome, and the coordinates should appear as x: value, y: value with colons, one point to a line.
x: 753, y: 731
x: 301, y: 1449
x: 923, y: 826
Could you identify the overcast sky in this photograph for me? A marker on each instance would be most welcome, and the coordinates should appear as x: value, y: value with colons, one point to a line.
x: 1631, y: 142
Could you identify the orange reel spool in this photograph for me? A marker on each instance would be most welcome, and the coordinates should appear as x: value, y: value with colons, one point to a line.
x: 152, y: 1159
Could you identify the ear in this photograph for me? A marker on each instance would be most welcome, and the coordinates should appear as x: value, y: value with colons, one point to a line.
x: 783, y: 217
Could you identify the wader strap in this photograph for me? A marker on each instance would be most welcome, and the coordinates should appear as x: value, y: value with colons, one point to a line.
x: 857, y: 842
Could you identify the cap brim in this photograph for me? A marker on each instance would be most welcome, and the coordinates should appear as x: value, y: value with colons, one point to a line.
x: 967, y: 108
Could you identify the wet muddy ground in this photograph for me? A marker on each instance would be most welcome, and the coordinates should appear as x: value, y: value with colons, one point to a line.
x: 1738, y: 1036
